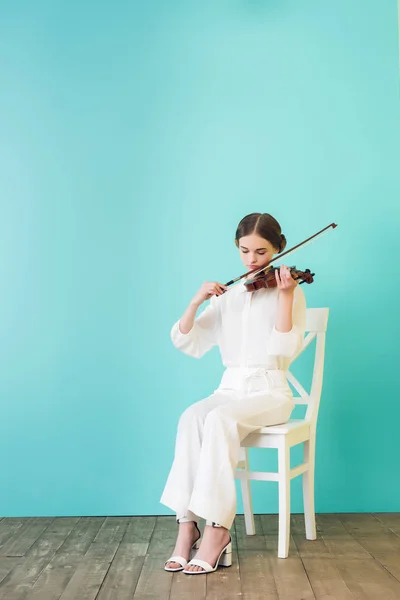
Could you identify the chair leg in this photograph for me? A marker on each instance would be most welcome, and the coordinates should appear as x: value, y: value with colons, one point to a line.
x: 284, y: 498
x: 308, y: 489
x: 246, y: 497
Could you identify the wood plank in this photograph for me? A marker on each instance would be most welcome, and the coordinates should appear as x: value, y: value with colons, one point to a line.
x: 256, y: 578
x: 311, y: 548
x: 256, y: 575
x: 257, y: 581
x: 269, y: 526
x: 368, y: 580
x: 122, y: 577
x: 54, y: 578
x: 278, y: 578
x: 86, y: 581
x: 25, y: 536
x: 326, y: 580
x: 297, y: 524
x: 188, y: 586
x: 140, y: 530
x: 113, y: 529
x: 8, y: 528
x: 307, y: 548
x: 362, y: 524
x: 162, y: 541
x: 89, y: 575
x: 330, y: 525
x: 154, y: 582
x: 379, y: 544
x: 357, y: 556
x: 391, y: 562
x: 371, y: 533
x: 291, y: 578
x: 390, y: 520
x: 346, y: 548
x: 224, y: 583
x: 21, y: 579
x: 249, y: 542
x: 337, y: 539
x: 7, y: 564
x: 82, y: 536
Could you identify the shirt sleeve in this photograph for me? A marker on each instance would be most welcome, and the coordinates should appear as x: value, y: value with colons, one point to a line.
x: 289, y: 343
x: 203, y: 335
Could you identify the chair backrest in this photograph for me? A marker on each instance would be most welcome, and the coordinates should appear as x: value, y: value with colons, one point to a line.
x: 316, y: 325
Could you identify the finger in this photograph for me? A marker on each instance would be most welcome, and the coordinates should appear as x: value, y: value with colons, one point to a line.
x: 278, y: 279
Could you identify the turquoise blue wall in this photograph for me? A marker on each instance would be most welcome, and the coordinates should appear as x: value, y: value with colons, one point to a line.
x: 133, y: 137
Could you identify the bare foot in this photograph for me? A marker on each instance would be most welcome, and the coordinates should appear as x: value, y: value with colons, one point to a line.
x: 187, y: 535
x: 214, y: 539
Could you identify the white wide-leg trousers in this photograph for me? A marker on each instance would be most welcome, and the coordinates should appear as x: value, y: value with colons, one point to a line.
x: 202, y: 477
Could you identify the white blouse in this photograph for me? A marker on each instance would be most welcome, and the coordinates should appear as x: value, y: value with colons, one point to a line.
x: 242, y: 324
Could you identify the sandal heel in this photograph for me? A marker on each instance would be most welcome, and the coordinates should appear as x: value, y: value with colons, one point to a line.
x: 226, y: 559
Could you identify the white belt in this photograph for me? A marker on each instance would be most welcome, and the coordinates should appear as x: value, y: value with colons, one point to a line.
x: 260, y: 372
x: 243, y: 380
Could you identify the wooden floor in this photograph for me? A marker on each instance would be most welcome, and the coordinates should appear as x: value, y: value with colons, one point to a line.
x: 120, y: 558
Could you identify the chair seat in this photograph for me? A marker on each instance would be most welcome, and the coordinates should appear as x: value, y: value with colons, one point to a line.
x: 285, y: 428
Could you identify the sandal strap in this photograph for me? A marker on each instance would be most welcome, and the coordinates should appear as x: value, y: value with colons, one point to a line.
x: 201, y: 563
x: 177, y: 559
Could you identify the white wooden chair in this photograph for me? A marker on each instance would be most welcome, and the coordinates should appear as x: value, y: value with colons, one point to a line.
x: 283, y: 437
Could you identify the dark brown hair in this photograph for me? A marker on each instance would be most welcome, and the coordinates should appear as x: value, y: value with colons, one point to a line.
x: 265, y: 226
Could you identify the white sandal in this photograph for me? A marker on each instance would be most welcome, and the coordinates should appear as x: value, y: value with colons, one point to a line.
x: 223, y: 560
x: 179, y: 559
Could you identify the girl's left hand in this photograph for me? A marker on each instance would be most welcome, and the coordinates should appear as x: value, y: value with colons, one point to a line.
x: 284, y: 280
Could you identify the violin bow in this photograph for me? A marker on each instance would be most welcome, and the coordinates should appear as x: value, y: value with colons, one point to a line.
x: 261, y: 269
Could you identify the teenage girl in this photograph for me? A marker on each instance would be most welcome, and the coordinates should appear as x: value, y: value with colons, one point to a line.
x: 257, y: 334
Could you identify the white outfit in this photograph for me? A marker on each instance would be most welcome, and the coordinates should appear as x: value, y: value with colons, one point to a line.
x: 253, y: 393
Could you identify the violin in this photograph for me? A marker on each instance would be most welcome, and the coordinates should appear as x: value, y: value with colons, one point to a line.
x: 268, y: 279
x: 265, y: 276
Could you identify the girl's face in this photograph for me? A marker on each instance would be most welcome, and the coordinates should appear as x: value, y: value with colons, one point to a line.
x: 255, y: 251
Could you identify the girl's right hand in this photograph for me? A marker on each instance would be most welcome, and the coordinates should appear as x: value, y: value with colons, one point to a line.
x: 208, y: 289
